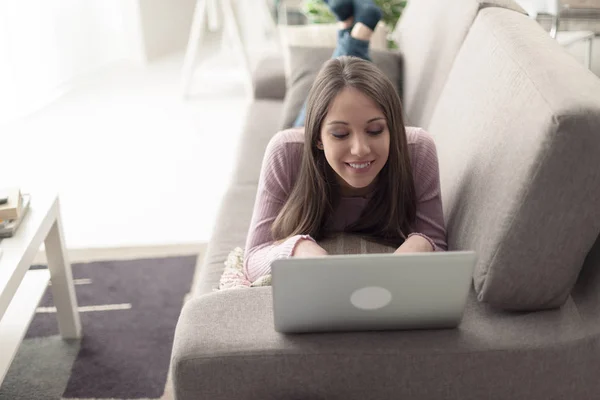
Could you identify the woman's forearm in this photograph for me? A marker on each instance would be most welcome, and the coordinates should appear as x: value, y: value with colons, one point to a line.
x: 308, y: 248
x: 414, y: 244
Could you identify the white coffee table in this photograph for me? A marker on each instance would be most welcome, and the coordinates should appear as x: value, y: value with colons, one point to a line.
x: 22, y: 289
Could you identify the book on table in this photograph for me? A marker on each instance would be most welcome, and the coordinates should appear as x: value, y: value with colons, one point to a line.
x: 12, y: 209
x: 13, y: 212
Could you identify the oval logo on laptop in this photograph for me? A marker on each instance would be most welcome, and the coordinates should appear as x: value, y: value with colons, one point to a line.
x: 371, y: 298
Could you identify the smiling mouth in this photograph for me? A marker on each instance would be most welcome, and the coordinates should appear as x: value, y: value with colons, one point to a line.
x: 361, y: 165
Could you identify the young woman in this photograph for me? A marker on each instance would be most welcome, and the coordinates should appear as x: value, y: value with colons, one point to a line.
x: 353, y: 168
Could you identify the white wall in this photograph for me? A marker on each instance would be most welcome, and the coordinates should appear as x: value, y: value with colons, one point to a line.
x: 165, y: 25
x: 59, y: 39
x: 88, y: 35
x: 45, y: 45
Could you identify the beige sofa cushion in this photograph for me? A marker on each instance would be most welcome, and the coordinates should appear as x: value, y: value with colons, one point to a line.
x: 517, y: 129
x: 429, y: 47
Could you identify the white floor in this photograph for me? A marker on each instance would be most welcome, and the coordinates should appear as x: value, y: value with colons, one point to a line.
x: 134, y: 164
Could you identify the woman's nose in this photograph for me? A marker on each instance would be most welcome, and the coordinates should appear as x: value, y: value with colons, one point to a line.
x: 360, y: 146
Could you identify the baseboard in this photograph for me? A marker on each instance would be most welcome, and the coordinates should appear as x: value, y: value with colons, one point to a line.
x: 128, y: 253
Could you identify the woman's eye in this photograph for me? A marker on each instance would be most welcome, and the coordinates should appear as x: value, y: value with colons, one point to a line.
x: 375, y: 132
x: 339, y: 135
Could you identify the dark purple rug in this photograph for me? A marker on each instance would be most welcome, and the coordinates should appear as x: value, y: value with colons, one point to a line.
x: 128, y: 311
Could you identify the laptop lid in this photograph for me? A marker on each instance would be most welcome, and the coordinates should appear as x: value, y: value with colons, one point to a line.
x: 371, y: 291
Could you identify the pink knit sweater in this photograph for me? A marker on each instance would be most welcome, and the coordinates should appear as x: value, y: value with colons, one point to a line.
x: 279, y: 172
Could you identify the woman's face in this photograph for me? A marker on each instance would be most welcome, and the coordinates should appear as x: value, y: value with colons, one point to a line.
x: 356, y: 141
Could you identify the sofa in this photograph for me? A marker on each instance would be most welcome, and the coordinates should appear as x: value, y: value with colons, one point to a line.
x: 516, y: 121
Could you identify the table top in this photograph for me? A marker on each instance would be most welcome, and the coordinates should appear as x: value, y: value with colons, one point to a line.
x: 19, y: 251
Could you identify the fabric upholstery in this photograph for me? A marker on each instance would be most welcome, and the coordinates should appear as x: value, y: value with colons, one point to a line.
x: 228, y: 349
x: 230, y: 231
x: 429, y: 36
x: 517, y: 134
x: 306, y: 64
x: 260, y: 125
x: 586, y: 293
x: 268, y: 78
x: 352, y: 244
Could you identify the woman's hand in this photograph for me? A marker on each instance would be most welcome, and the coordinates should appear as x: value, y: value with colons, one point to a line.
x: 414, y: 244
x: 307, y: 248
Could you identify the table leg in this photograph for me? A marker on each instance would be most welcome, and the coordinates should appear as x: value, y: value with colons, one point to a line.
x: 63, y: 290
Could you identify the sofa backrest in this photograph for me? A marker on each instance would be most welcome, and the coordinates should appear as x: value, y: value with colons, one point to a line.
x: 517, y: 128
x: 429, y: 35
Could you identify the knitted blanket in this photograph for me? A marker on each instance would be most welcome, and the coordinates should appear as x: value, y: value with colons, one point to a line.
x: 233, y: 277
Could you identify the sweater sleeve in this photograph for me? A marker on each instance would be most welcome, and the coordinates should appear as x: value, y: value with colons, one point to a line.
x: 430, y: 217
x: 277, y: 177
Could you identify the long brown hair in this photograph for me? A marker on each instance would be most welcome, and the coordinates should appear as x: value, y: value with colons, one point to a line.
x: 391, y: 211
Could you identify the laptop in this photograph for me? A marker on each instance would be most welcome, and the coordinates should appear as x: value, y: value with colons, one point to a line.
x: 371, y: 292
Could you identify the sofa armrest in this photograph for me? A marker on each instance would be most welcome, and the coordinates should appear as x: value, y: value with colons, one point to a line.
x: 225, y: 348
x: 268, y: 78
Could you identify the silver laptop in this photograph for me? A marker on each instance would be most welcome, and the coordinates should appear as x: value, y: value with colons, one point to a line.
x: 371, y: 291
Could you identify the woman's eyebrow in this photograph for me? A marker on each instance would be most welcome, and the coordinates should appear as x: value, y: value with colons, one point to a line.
x: 345, y: 123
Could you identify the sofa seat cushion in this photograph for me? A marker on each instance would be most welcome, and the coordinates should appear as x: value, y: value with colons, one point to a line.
x: 226, y: 348
x: 517, y: 132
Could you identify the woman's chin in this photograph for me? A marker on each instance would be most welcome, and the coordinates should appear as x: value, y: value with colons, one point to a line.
x: 358, y: 186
